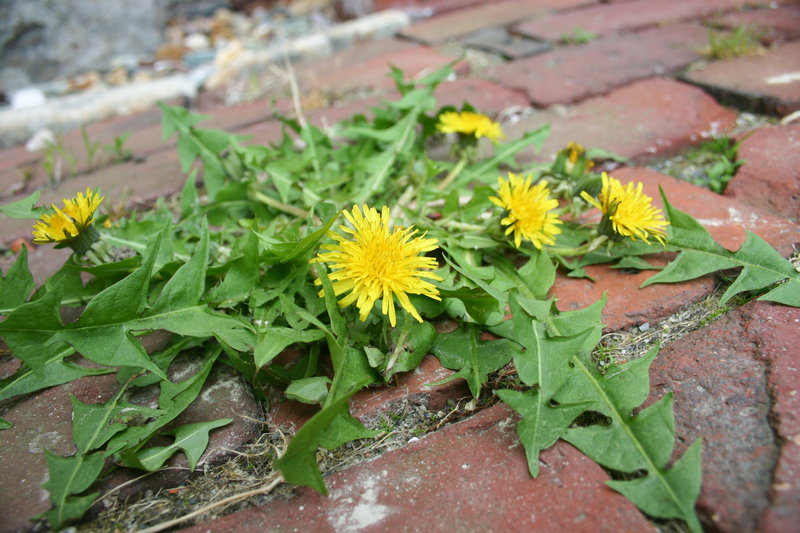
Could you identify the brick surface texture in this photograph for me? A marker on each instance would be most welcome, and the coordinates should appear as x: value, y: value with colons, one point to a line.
x: 641, y: 89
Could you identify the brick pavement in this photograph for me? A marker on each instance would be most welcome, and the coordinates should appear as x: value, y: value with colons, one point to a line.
x: 638, y: 89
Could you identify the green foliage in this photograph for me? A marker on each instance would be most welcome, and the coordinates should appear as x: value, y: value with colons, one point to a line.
x: 640, y: 443
x: 229, y: 276
x: 740, y: 41
x: 762, y: 266
x: 117, y: 148
x: 578, y: 35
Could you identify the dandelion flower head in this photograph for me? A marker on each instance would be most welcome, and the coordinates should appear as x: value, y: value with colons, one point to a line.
x: 470, y: 123
x: 528, y: 210
x: 67, y: 223
x: 373, y: 262
x: 629, y: 210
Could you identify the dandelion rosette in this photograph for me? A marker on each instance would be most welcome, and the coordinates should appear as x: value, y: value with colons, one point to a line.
x: 528, y: 210
x: 70, y: 226
x: 374, y: 262
x: 470, y: 123
x: 627, y: 212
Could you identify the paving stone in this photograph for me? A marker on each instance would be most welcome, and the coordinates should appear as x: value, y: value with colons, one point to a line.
x: 774, y: 330
x: 726, y: 220
x: 647, y: 119
x: 620, y: 17
x: 483, y: 95
x: 500, y: 41
x: 373, y: 73
x: 427, y: 7
x: 770, y: 177
x: 439, y: 29
x: 767, y: 84
x: 721, y: 395
x: 780, y: 23
x: 470, y: 476
x: 731, y: 380
x: 570, y: 74
x: 24, y: 468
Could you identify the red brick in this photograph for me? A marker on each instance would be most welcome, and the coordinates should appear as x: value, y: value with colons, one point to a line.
x: 606, y: 19
x: 774, y: 330
x: 570, y: 74
x: 428, y: 7
x: 441, y: 28
x: 471, y: 476
x: 770, y: 177
x: 485, y: 96
x: 767, y: 83
x: 374, y: 72
x: 721, y: 394
x: 646, y: 119
x: 779, y: 24
x: 726, y: 220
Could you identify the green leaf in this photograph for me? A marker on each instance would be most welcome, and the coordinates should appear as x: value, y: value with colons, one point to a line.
x: 276, y: 339
x: 761, y: 265
x: 5, y: 424
x: 634, y: 443
x: 473, y: 359
x: 538, y: 273
x: 24, y: 208
x: 191, y: 438
x: 287, y: 251
x: 241, y: 277
x: 344, y: 428
x: 68, y: 476
x: 298, y: 464
x: 311, y: 390
x: 187, y: 285
x: 17, y: 283
x: 190, y: 201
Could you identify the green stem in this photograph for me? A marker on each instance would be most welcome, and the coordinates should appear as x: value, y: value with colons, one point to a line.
x: 398, y: 347
x: 578, y: 250
x: 280, y: 206
x: 454, y: 172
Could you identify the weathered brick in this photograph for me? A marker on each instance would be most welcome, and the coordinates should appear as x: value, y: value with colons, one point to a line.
x: 570, y: 74
x: 770, y: 176
x: 778, y: 23
x: 621, y: 17
x: 501, y: 41
x: 441, y: 28
x: 647, y: 119
x: 767, y: 83
x: 484, y: 96
x: 470, y: 476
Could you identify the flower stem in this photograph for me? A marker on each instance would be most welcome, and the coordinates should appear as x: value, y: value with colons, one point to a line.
x: 454, y: 172
x: 578, y: 250
x: 280, y: 206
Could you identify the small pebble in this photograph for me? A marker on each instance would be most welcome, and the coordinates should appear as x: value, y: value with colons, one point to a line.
x: 644, y: 327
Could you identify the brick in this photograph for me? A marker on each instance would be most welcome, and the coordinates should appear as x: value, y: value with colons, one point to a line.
x: 501, y: 42
x: 570, y: 74
x: 774, y: 331
x: 726, y: 220
x: 470, y: 476
x: 770, y: 177
x: 485, y: 96
x: 605, y: 19
x: 779, y: 23
x: 439, y: 29
x: 373, y: 72
x: 647, y: 119
x: 44, y: 421
x: 721, y: 395
x: 767, y: 84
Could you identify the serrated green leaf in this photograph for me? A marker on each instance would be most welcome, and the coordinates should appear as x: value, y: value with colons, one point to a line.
x: 190, y: 201
x: 241, y: 277
x: 287, y: 251
x: 17, y: 284
x: 700, y: 254
x: 538, y: 274
x: 24, y: 208
x: 5, y: 424
x: 191, y: 438
x: 633, y: 443
x: 473, y: 359
x: 344, y: 428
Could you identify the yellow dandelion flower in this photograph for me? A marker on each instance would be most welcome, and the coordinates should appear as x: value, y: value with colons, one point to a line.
x: 528, y: 210
x: 469, y: 123
x: 629, y: 211
x: 69, y: 223
x: 374, y: 263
